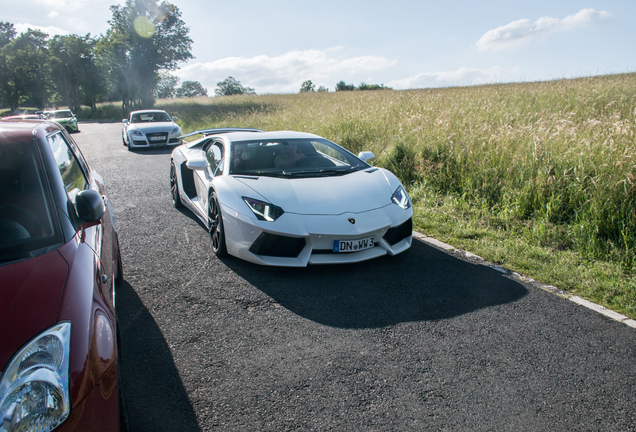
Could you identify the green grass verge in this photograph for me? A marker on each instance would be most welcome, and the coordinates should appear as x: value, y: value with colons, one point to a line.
x: 513, y: 246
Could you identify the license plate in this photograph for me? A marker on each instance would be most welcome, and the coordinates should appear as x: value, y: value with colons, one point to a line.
x: 156, y: 138
x: 353, y: 245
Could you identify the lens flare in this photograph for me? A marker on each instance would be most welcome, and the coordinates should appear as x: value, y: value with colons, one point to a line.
x: 144, y: 27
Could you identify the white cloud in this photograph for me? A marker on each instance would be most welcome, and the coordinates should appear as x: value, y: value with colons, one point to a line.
x: 521, y: 32
x: 284, y: 73
x: 50, y: 30
x: 460, y: 77
x: 66, y: 17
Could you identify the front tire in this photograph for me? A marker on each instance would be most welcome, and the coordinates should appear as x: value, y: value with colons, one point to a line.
x: 216, y: 230
x: 174, y: 187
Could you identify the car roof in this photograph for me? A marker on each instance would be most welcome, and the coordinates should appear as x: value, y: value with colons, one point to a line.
x: 148, y: 111
x: 247, y: 136
x: 12, y: 130
x: 218, y: 131
x: 23, y: 116
x: 236, y: 135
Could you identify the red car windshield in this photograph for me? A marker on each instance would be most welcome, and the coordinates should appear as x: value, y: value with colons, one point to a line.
x: 26, y: 220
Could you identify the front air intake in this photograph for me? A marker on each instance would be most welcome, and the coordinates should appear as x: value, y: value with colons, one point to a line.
x: 397, y: 234
x: 277, y: 246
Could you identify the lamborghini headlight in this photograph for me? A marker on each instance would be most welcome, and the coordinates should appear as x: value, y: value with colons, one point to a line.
x: 401, y: 198
x: 263, y: 210
x: 34, y: 389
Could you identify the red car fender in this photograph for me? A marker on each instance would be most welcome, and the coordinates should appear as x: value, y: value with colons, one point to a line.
x: 93, y: 340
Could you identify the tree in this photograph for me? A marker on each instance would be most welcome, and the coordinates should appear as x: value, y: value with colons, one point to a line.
x: 191, y: 89
x: 365, y: 86
x: 230, y: 86
x: 167, y: 85
x: 73, y: 70
x: 144, y: 38
x: 323, y: 89
x: 27, y: 69
x: 342, y: 86
x: 7, y: 34
x: 93, y: 85
x: 307, y: 87
x: 112, y: 58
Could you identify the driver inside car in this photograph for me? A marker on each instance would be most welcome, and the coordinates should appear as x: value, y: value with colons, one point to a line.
x: 288, y: 157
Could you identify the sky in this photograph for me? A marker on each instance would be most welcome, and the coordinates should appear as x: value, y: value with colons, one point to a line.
x: 275, y: 46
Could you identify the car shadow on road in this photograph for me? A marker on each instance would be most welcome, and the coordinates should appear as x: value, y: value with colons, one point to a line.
x: 422, y: 283
x: 187, y: 213
x: 155, y: 397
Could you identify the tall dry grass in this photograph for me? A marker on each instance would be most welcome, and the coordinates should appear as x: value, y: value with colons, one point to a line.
x: 558, y: 155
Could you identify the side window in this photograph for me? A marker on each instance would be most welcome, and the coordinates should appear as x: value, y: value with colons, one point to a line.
x: 324, y: 149
x: 70, y: 169
x: 214, y: 155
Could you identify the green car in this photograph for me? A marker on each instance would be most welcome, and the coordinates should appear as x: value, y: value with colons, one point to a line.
x: 66, y: 118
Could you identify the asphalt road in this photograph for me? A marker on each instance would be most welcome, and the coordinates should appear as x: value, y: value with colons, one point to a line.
x: 420, y: 341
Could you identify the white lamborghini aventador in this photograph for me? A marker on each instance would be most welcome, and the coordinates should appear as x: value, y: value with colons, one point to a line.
x: 290, y: 198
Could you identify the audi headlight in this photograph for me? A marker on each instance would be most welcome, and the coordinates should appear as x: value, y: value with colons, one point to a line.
x: 401, y: 198
x: 34, y: 390
x: 176, y: 131
x: 263, y: 210
x: 137, y: 133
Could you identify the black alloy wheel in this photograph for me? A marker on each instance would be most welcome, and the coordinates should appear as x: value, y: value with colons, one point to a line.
x: 215, y: 221
x: 174, y: 187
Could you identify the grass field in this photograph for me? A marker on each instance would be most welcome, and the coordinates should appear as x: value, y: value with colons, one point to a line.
x: 537, y: 177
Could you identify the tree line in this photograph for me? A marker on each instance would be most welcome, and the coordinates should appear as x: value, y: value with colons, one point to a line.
x: 145, y: 41
x: 310, y: 87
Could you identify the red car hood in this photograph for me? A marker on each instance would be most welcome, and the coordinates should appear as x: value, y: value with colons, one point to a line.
x: 30, y: 293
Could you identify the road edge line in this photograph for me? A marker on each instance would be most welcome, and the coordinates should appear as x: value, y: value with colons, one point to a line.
x: 548, y: 288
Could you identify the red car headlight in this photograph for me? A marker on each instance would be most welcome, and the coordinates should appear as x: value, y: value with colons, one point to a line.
x: 34, y: 389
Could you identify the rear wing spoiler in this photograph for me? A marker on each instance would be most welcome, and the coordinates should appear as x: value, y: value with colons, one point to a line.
x: 216, y: 131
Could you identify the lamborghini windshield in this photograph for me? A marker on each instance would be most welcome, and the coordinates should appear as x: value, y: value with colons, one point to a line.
x: 292, y: 158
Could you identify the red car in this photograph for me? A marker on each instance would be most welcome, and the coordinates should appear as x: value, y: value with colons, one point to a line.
x: 59, y: 261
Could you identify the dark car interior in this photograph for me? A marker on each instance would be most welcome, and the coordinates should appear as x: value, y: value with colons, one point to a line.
x: 24, y: 212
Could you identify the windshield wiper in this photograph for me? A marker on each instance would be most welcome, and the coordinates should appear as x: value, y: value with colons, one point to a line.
x: 256, y: 174
x: 320, y: 172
